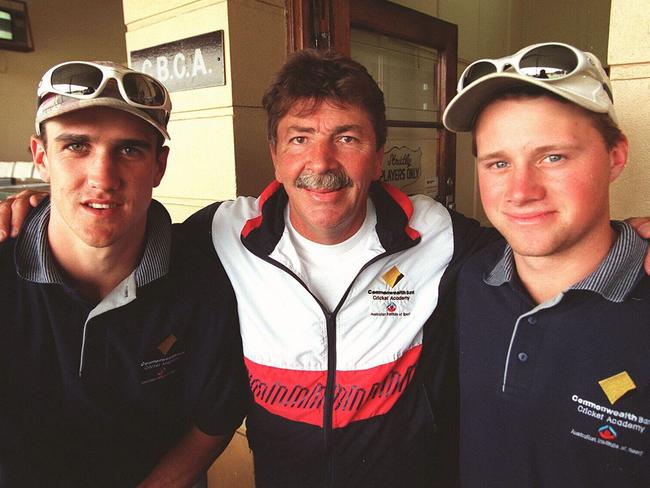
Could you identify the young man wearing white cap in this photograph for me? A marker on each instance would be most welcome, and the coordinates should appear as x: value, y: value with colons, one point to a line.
x: 553, y: 325
x: 118, y: 341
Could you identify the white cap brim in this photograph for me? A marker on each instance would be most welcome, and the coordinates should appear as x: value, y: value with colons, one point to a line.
x: 60, y: 104
x: 585, y: 91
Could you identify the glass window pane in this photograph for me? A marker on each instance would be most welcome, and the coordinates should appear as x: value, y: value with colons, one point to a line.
x: 406, y: 73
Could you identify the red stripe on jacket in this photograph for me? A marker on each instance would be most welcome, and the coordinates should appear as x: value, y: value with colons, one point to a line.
x: 299, y: 395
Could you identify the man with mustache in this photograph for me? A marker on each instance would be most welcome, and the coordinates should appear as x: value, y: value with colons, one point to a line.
x: 344, y: 289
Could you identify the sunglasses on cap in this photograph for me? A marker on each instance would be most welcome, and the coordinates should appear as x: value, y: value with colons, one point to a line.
x: 86, y: 80
x: 545, y: 62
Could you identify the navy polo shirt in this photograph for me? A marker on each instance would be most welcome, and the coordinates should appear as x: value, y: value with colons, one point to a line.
x: 555, y: 394
x: 94, y: 394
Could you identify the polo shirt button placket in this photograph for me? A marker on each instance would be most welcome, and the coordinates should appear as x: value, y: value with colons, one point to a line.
x: 523, y: 356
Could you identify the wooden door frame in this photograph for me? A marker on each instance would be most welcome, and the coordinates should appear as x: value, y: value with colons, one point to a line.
x: 330, y: 29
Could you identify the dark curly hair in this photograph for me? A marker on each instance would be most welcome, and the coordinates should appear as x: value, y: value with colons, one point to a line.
x: 316, y: 77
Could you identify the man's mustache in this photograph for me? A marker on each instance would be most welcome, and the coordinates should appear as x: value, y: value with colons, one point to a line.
x: 331, y: 181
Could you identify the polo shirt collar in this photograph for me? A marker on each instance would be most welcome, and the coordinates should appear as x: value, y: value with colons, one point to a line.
x: 34, y: 260
x: 614, y: 278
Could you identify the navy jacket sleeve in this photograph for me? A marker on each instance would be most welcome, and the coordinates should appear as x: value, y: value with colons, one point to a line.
x: 225, y: 397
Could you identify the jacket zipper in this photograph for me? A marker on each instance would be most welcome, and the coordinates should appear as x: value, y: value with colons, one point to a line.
x: 330, y: 322
x: 328, y: 407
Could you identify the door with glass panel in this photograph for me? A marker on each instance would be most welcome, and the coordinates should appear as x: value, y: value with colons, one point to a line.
x: 413, y: 57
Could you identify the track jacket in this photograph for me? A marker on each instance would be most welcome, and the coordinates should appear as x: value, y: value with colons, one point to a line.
x: 363, y: 395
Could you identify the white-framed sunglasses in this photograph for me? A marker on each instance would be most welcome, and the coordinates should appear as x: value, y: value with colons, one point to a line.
x: 85, y: 80
x: 545, y: 62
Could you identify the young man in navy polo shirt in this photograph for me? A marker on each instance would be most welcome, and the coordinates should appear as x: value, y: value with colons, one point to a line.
x: 120, y: 357
x: 553, y: 325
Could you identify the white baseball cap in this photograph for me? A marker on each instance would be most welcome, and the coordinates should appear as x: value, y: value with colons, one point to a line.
x: 77, y: 85
x: 559, y: 68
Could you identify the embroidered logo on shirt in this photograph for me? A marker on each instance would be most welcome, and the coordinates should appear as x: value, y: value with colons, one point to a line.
x: 607, y: 432
x: 162, y: 362
x: 604, y: 425
x: 167, y: 344
x: 616, y: 386
x: 392, y: 276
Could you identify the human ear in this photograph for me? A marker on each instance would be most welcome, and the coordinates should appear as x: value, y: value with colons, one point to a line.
x: 618, y: 158
x: 39, y: 156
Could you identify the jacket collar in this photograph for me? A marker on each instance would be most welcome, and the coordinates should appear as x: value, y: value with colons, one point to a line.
x: 262, y: 233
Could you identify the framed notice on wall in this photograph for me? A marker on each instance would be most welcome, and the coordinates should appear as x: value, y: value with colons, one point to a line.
x: 410, y: 160
x: 15, y: 31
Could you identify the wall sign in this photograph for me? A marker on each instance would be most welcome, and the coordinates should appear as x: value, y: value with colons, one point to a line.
x: 402, y: 165
x: 187, y: 64
x: 410, y: 160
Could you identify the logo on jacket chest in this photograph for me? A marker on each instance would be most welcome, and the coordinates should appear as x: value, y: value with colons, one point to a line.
x: 389, y: 299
